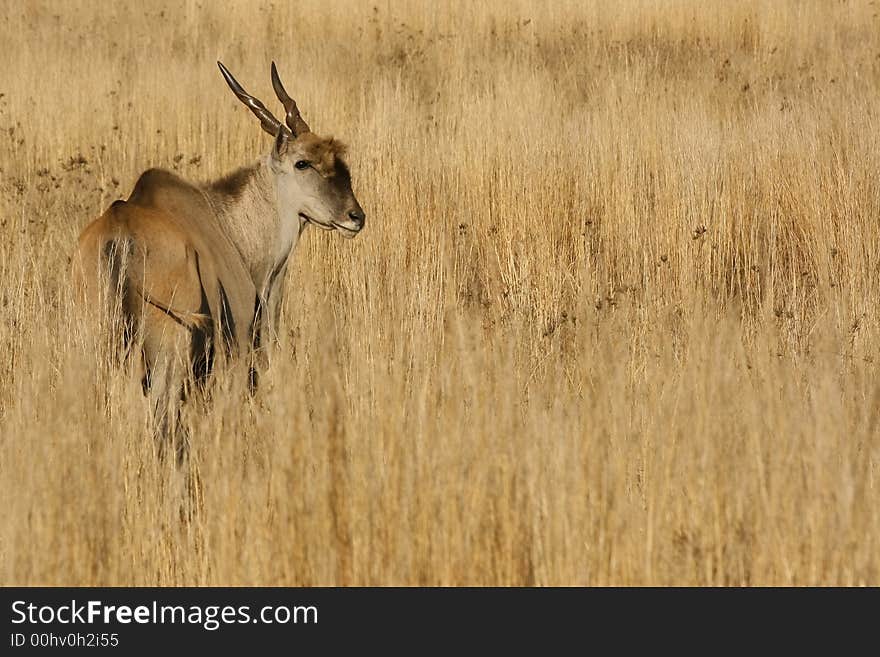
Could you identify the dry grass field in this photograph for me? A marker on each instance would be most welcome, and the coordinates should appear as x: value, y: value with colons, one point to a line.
x: 613, y: 318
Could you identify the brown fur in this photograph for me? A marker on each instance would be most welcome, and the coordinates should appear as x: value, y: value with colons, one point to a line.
x: 184, y: 285
x: 325, y: 153
x: 233, y: 184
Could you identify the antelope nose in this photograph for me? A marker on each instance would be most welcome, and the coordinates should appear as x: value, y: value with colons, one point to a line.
x: 358, y: 217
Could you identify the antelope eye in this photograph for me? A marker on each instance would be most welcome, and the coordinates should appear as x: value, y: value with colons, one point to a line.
x: 302, y: 164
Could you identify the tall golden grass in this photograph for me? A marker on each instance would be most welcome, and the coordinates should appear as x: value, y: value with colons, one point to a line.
x: 613, y: 319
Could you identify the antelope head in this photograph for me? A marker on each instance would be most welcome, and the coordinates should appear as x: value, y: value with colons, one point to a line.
x: 312, y: 179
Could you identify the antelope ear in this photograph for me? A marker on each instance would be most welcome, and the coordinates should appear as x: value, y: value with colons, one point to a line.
x: 281, y: 140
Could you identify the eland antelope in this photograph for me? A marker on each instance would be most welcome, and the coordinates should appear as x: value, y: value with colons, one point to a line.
x: 197, y: 270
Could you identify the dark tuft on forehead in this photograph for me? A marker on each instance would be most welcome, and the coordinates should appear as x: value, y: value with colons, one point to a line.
x: 324, y: 153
